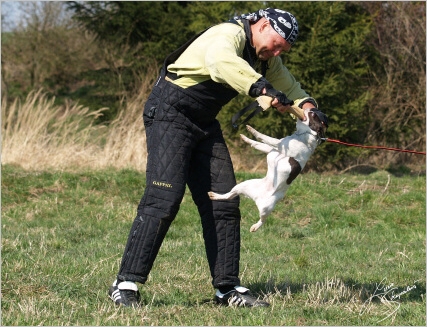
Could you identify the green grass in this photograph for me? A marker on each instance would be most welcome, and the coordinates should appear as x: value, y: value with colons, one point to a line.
x: 319, y: 259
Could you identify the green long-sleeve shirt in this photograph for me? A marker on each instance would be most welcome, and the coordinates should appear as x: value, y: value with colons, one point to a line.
x: 218, y: 55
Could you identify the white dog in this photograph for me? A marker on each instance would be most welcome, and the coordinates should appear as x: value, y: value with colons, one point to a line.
x: 285, y: 159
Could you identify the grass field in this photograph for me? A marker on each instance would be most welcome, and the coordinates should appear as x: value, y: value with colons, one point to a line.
x: 338, y: 250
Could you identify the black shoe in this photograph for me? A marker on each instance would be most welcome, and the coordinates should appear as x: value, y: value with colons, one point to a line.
x: 239, y: 297
x: 125, y: 294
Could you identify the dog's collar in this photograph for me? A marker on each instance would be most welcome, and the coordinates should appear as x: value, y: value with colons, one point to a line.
x: 311, y: 132
x: 319, y: 140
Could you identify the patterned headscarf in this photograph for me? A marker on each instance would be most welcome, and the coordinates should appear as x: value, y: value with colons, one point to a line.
x: 283, y: 22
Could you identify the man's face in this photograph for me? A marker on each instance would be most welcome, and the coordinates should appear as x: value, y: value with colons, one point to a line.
x: 268, y: 43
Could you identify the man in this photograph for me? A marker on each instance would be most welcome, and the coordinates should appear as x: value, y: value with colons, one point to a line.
x: 186, y: 146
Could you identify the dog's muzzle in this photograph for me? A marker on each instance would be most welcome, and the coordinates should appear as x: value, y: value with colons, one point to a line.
x: 324, y: 121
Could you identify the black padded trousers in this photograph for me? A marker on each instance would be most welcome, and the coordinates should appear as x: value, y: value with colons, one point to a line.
x: 184, y: 152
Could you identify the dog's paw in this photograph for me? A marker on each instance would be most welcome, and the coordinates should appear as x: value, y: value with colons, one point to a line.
x: 250, y: 129
x: 212, y: 195
x: 255, y: 227
x: 245, y: 138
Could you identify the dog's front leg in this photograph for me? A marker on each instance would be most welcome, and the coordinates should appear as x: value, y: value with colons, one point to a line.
x: 257, y: 145
x: 263, y: 138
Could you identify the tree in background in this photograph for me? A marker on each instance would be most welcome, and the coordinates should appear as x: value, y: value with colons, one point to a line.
x: 134, y: 37
x: 333, y: 62
x: 208, y: 13
x: 398, y: 105
x: 45, y: 50
x: 141, y: 30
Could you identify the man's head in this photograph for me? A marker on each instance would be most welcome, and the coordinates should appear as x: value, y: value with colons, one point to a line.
x: 273, y: 31
x: 283, y: 22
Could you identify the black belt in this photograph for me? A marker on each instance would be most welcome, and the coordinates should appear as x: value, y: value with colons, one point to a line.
x: 172, y: 76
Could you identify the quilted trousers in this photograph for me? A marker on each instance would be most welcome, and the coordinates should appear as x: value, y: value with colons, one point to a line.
x: 185, y: 147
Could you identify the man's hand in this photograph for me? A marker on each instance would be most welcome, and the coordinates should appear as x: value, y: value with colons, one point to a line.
x: 280, y: 107
x: 263, y: 87
x: 280, y: 101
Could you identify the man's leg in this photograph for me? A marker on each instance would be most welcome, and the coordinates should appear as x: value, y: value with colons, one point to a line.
x: 211, y: 169
x: 168, y: 161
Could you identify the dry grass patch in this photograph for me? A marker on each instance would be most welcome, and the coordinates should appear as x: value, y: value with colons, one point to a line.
x: 37, y: 134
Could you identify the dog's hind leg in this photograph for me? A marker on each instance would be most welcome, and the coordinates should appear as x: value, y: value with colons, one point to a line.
x: 255, y: 227
x: 226, y: 196
x: 235, y: 191
x: 251, y: 188
x: 265, y: 208
x: 260, y: 222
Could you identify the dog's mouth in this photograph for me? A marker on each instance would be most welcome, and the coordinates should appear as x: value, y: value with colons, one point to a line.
x: 297, y: 112
x: 304, y: 118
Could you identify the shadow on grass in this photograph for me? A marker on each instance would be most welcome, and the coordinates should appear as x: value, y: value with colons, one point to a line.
x: 373, y: 291
x: 339, y: 290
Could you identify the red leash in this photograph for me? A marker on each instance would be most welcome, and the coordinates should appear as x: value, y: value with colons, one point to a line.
x: 372, y: 146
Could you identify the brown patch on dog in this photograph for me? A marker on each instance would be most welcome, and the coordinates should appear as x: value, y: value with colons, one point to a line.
x: 295, y: 170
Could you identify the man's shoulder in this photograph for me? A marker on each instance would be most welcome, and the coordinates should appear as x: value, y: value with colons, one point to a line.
x: 229, y: 26
x: 275, y: 63
x: 226, y: 32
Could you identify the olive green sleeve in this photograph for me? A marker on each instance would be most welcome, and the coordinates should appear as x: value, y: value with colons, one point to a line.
x: 281, y: 79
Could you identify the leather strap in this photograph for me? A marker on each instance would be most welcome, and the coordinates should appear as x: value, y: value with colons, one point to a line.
x: 240, y: 113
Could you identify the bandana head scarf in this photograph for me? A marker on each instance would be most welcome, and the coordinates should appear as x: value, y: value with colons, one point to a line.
x: 283, y: 22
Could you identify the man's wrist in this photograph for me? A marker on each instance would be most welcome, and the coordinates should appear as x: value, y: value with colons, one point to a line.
x: 259, y: 87
x: 308, y: 103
